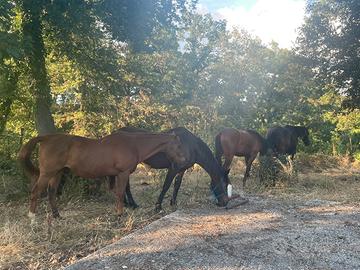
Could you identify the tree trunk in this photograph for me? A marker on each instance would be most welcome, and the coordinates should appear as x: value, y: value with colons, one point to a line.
x: 35, y: 54
x: 5, y: 104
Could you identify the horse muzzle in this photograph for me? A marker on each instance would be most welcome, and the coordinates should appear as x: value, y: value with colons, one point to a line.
x: 222, y: 200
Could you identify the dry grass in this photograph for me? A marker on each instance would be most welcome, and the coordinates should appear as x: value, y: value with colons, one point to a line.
x: 88, y: 225
x: 316, y: 177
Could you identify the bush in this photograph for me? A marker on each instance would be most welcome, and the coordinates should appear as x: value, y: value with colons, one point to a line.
x: 272, y: 170
x: 357, y: 155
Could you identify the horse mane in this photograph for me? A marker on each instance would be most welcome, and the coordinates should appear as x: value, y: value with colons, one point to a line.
x: 205, y: 148
x: 205, y: 156
x: 131, y: 129
x: 298, y: 130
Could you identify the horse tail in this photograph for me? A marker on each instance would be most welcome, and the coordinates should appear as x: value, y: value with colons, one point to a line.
x: 24, y: 157
x: 218, y: 148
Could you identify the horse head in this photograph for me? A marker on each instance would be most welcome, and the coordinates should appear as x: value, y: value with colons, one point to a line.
x: 219, y: 188
x: 300, y: 132
x: 304, y: 134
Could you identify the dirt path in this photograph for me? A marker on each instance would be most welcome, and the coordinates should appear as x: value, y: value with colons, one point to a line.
x: 263, y: 234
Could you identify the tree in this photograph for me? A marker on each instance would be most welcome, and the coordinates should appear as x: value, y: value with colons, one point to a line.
x: 10, y: 53
x: 330, y: 40
x: 34, y: 49
x: 93, y: 36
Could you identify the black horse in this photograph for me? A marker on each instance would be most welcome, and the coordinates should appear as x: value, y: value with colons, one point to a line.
x: 196, y: 151
x: 284, y: 140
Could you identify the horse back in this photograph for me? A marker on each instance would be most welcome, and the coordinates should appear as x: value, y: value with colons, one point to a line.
x: 160, y: 160
x: 280, y: 139
x: 84, y: 156
x: 55, y: 150
x: 240, y: 141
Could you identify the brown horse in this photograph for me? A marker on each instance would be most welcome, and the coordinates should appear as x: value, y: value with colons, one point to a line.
x: 115, y: 155
x: 196, y: 151
x: 242, y: 143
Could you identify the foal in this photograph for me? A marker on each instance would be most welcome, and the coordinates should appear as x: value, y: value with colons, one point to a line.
x: 115, y: 155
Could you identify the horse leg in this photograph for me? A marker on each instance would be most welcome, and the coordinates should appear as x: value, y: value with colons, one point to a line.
x: 120, y: 187
x: 291, y: 162
x: 130, y: 200
x: 227, y: 163
x: 248, y: 160
x: 36, y: 191
x: 111, y: 186
x: 52, y: 191
x: 169, y: 177
x: 111, y: 182
x: 177, y: 185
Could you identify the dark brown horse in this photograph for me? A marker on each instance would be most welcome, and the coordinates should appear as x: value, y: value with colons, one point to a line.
x: 196, y: 151
x: 284, y: 140
x: 239, y: 142
x: 116, y: 155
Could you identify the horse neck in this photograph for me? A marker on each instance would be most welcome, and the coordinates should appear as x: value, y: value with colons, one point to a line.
x: 264, y: 145
x: 208, y: 163
x: 300, y: 132
x: 153, y: 144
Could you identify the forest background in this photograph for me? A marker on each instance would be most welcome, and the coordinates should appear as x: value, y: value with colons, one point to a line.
x: 90, y: 67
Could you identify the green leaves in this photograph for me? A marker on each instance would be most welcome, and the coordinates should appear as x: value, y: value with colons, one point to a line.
x: 158, y: 64
x: 330, y: 40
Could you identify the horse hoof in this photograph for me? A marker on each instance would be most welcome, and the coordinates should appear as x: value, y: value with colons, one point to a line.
x: 158, y: 208
x: 134, y: 206
x: 172, y: 203
x: 56, y: 215
x: 119, y: 213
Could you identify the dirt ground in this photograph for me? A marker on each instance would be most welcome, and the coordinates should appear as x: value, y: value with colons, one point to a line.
x: 266, y: 233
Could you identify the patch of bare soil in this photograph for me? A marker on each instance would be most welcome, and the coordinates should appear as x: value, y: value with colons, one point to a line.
x: 266, y: 233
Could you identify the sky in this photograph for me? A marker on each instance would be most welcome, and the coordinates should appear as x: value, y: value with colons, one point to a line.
x: 271, y: 20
